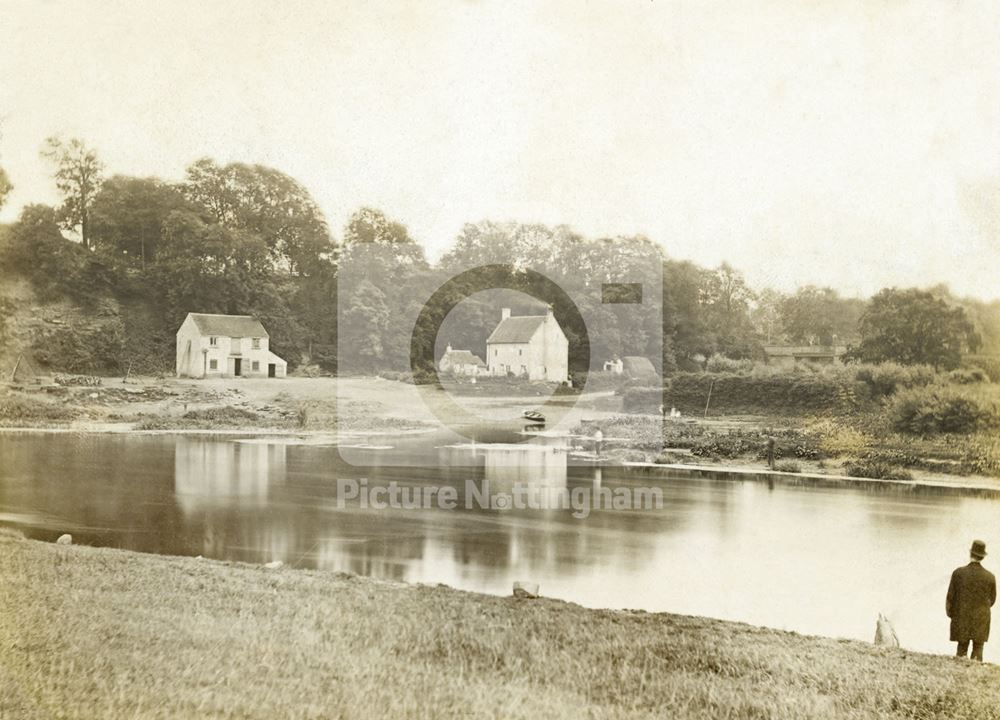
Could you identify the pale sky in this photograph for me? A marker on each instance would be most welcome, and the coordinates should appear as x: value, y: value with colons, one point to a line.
x: 850, y: 144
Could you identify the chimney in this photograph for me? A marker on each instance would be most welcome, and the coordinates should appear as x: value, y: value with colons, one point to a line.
x: 448, y: 349
x: 504, y: 313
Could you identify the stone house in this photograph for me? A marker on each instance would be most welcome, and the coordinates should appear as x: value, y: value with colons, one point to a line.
x: 529, y: 346
x: 225, y: 346
x: 790, y: 355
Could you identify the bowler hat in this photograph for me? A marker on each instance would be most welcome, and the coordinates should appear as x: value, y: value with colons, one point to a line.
x: 978, y: 549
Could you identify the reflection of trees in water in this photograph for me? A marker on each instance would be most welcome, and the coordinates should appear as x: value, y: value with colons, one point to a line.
x: 111, y: 490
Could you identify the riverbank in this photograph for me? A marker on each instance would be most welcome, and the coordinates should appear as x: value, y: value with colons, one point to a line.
x: 318, y: 409
x: 93, y: 633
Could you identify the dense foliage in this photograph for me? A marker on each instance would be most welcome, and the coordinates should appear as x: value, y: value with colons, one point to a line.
x: 248, y: 239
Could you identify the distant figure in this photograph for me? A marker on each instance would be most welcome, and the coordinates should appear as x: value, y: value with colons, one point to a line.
x: 971, y: 594
x: 598, y: 441
x: 770, y: 453
x: 885, y: 633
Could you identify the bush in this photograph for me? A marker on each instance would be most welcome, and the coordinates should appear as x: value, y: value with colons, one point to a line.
x: 968, y: 377
x: 876, y: 469
x: 928, y: 411
x: 989, y: 364
x: 221, y: 415
x: 837, y: 439
x: 884, y: 379
x: 642, y: 400
x: 14, y: 409
x: 788, y: 466
x: 722, y: 364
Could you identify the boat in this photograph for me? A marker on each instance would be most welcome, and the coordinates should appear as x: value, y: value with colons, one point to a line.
x: 533, y: 416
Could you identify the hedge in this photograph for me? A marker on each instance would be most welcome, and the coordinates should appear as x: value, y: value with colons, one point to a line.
x: 765, y: 394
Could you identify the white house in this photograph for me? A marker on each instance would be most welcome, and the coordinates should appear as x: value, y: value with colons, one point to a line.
x: 531, y: 346
x: 225, y: 346
x: 461, y: 362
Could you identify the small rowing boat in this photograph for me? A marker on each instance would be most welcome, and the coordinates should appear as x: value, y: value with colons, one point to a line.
x: 533, y: 416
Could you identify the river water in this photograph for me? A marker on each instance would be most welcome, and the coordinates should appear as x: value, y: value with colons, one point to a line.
x: 815, y: 560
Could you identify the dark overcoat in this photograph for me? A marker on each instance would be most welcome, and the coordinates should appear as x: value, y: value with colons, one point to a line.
x: 971, y: 594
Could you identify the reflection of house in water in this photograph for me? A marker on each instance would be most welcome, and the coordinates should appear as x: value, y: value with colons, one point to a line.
x: 226, y: 485
x: 524, y: 464
x: 209, y: 473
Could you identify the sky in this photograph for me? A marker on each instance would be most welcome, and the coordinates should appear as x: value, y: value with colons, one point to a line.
x: 846, y: 144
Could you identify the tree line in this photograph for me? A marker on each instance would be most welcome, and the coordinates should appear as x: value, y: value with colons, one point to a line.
x: 248, y: 239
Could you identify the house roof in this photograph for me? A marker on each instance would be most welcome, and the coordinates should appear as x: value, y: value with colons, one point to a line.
x: 518, y: 329
x: 463, y: 357
x: 638, y: 366
x: 228, y: 325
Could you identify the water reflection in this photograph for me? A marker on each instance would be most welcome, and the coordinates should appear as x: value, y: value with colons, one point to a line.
x: 821, y: 560
x: 209, y: 473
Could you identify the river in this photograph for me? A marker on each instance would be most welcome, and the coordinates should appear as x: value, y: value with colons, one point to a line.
x: 814, y: 560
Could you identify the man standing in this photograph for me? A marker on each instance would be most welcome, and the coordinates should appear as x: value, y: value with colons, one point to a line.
x: 971, y: 594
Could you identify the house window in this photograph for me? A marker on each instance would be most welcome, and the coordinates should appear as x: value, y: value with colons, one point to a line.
x: 256, y: 346
x: 213, y: 364
x: 213, y: 341
x: 495, y: 352
x: 256, y: 364
x: 520, y: 352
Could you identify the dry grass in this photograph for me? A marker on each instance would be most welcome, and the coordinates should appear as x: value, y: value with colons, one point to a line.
x: 17, y: 409
x: 95, y: 633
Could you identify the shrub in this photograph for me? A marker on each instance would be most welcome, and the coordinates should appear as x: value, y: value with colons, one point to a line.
x: 15, y: 409
x: 788, y: 466
x: 928, y: 411
x: 876, y: 469
x: 989, y: 364
x: 836, y: 439
x: 722, y: 364
x: 884, y: 379
x: 221, y: 415
x: 642, y: 400
x: 968, y: 377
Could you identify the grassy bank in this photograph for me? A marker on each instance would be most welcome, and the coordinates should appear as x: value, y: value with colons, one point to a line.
x: 95, y: 633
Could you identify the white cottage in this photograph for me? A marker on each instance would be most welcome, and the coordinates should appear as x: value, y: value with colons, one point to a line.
x: 461, y: 363
x: 225, y: 346
x: 531, y: 346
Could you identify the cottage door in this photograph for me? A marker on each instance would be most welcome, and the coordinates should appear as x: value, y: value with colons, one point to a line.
x: 237, y: 366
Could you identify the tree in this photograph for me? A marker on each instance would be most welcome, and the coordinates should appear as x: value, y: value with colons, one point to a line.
x: 78, y: 175
x: 726, y: 298
x: 766, y: 315
x: 5, y: 186
x: 56, y: 267
x: 818, y: 315
x: 128, y: 217
x: 268, y: 203
x: 913, y: 326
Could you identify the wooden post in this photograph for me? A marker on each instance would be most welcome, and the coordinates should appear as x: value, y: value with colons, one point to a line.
x: 13, y: 372
x: 128, y: 372
x: 709, y: 399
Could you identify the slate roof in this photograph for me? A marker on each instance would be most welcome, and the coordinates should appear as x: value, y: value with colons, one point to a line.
x: 463, y: 357
x: 516, y: 329
x: 228, y: 325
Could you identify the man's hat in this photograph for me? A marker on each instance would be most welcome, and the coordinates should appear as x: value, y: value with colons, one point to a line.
x: 978, y: 549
